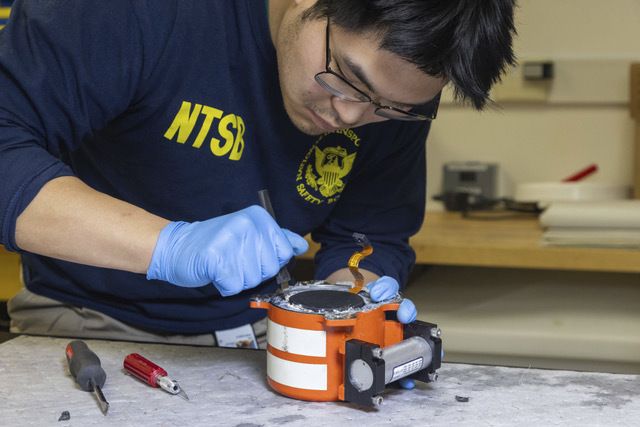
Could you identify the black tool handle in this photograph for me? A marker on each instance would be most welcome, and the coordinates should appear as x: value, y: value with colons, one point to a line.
x: 265, y: 202
x: 283, y: 277
x: 85, y: 366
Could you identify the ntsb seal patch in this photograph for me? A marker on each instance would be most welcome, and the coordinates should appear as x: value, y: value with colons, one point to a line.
x: 323, y: 171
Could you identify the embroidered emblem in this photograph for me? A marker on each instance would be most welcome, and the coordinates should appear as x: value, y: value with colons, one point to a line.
x: 332, y: 164
x: 322, y: 173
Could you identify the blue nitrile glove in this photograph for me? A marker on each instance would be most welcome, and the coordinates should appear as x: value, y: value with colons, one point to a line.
x: 234, y: 252
x: 387, y: 287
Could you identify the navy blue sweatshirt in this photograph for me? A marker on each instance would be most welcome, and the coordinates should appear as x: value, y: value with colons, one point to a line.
x: 175, y: 106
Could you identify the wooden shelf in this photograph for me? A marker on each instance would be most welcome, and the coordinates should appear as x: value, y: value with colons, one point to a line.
x: 447, y: 239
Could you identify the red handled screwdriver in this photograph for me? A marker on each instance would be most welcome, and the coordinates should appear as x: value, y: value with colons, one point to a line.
x: 152, y: 374
x: 87, y: 371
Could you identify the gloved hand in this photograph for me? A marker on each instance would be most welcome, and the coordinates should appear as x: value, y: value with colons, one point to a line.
x: 234, y: 252
x: 387, y: 287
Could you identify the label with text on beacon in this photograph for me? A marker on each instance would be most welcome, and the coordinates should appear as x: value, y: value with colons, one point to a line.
x: 405, y: 369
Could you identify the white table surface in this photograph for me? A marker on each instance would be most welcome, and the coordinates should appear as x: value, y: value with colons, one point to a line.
x: 227, y: 387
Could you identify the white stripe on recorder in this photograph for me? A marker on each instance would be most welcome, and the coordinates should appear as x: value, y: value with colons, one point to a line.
x: 306, y: 376
x: 304, y: 342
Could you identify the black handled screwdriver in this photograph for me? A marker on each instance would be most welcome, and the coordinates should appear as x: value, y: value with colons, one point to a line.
x: 85, y: 367
x: 283, y: 278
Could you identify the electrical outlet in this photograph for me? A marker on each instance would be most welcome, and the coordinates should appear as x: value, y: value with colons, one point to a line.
x: 515, y: 87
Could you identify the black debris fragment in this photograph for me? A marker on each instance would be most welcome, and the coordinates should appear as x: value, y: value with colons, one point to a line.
x: 64, y: 416
x: 462, y: 398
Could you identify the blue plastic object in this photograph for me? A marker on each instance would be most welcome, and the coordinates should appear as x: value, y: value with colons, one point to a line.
x: 387, y: 287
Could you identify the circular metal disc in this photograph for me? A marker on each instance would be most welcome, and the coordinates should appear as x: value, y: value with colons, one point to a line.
x: 327, y: 300
x: 360, y: 375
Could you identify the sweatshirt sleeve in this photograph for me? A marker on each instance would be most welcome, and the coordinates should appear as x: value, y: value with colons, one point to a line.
x: 67, y: 68
x: 386, y: 202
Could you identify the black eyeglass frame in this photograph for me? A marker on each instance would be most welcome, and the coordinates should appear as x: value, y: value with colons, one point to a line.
x: 380, y: 108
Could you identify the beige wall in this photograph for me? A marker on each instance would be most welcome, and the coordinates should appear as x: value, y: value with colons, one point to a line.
x: 542, y: 142
x: 542, y: 318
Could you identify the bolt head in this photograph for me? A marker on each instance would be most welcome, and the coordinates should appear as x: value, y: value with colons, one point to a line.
x: 377, y: 352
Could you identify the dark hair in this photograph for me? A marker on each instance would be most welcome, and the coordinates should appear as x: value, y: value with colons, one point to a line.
x: 466, y: 41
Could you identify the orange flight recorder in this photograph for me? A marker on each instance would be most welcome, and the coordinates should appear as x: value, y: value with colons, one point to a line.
x: 325, y: 343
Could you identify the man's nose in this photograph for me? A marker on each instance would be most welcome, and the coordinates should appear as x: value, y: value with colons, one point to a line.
x: 351, y: 113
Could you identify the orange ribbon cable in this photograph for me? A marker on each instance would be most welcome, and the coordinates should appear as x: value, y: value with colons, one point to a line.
x: 355, y: 259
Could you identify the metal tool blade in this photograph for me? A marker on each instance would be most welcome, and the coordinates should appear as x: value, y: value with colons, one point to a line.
x: 102, y: 401
x: 182, y: 394
x: 172, y: 386
x: 283, y: 278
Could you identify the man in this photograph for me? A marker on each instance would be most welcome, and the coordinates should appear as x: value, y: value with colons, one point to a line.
x: 135, y: 135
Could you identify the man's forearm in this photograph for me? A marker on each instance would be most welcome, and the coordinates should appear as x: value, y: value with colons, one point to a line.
x: 71, y: 221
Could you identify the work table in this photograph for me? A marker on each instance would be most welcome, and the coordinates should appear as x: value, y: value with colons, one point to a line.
x: 227, y: 387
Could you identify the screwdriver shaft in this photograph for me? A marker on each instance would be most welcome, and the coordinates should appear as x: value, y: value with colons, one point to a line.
x: 102, y: 401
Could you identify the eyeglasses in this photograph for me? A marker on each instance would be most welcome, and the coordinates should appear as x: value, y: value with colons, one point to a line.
x: 341, y: 88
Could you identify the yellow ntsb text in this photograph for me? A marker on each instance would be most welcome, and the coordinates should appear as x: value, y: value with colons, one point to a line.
x: 222, y: 133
